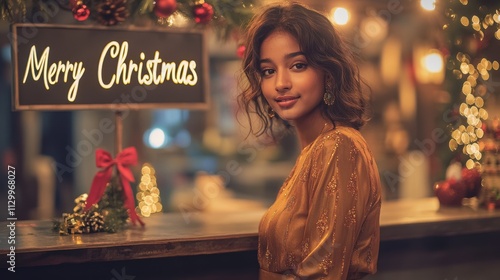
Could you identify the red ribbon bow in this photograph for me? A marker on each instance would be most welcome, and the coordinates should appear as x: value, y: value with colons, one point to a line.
x: 122, y: 161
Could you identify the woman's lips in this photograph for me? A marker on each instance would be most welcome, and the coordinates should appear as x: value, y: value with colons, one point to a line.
x: 286, y: 101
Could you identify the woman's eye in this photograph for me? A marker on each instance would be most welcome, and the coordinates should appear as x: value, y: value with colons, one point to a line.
x: 299, y: 66
x: 267, y: 72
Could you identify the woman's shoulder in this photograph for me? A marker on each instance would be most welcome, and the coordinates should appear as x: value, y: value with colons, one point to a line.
x: 344, y: 136
x: 342, y: 139
x: 343, y: 142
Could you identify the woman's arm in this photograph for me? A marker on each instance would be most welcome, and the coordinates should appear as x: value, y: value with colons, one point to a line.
x: 342, y: 228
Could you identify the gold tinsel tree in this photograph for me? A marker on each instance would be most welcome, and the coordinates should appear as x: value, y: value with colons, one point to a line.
x: 148, y: 194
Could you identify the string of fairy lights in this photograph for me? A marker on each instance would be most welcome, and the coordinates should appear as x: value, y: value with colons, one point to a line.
x: 474, y: 72
x: 474, y: 79
x: 472, y: 107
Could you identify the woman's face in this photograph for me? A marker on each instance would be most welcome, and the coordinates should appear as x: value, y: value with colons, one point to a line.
x: 290, y: 85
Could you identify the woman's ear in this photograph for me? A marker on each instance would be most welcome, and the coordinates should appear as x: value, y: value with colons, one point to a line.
x: 328, y: 77
x: 328, y: 82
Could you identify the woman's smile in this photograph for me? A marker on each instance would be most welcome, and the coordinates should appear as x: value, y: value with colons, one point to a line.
x: 286, y: 101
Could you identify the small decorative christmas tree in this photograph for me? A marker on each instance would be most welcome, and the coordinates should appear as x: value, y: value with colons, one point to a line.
x: 109, y: 215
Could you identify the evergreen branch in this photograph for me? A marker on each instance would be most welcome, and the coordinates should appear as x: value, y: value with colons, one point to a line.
x: 229, y: 15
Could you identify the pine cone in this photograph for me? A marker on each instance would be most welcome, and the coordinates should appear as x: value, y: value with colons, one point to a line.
x: 73, y: 223
x: 93, y: 222
x: 112, y: 12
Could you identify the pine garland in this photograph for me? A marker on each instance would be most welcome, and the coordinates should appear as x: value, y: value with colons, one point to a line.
x: 13, y: 10
x: 229, y: 15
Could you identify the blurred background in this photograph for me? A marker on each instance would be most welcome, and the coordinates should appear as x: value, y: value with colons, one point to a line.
x: 203, y: 160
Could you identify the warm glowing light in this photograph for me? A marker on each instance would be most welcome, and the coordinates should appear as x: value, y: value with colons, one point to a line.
x: 466, y: 88
x: 429, y: 5
x: 156, y: 138
x: 148, y: 195
x: 430, y: 66
x: 179, y: 20
x: 495, y: 65
x: 496, y: 18
x: 471, y: 109
x: 433, y: 62
x: 497, y: 34
x: 464, y: 21
x: 340, y: 16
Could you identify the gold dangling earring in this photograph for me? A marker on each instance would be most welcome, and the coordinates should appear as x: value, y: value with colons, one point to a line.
x: 328, y: 97
x: 270, y: 113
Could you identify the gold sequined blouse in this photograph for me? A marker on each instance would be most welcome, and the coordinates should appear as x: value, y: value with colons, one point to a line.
x: 324, y: 223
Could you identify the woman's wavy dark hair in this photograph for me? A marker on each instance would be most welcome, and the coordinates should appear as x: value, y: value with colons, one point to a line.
x: 324, y: 50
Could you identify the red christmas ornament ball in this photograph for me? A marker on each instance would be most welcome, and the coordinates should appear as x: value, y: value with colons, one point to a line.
x: 472, y: 180
x: 81, y: 12
x: 240, y: 51
x: 450, y: 192
x: 203, y: 13
x: 165, y: 8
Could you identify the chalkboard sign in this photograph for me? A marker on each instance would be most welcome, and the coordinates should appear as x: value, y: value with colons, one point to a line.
x: 61, y: 67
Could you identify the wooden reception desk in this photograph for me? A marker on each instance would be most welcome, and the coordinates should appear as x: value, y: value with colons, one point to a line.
x: 210, y: 234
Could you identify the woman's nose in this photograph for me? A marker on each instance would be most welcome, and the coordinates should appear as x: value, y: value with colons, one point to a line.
x: 283, y: 81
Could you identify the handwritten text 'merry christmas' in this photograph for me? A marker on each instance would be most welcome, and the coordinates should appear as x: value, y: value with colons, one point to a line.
x: 146, y: 72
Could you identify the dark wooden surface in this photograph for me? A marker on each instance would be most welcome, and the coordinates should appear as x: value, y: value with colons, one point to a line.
x: 165, y: 235
x: 189, y: 234
x: 419, y: 218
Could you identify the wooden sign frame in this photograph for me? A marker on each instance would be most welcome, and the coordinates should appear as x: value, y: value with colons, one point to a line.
x: 22, y: 33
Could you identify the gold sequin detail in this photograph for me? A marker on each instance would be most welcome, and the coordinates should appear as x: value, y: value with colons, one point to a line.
x: 326, y: 263
x: 343, y: 261
x: 331, y: 187
x: 304, y: 174
x: 338, y: 141
x: 350, y: 219
x: 315, y: 167
x: 305, y: 248
x: 352, y: 185
x: 322, y: 223
x: 268, y: 257
x: 353, y: 153
x: 291, y: 261
x: 290, y: 203
x: 335, y: 206
x: 311, y: 168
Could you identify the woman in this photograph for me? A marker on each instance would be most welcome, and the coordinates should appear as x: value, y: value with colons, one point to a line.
x: 324, y: 223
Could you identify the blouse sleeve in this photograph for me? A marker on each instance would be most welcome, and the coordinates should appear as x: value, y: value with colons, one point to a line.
x: 341, y: 235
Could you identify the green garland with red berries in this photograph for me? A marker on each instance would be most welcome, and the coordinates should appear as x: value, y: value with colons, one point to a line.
x: 226, y: 16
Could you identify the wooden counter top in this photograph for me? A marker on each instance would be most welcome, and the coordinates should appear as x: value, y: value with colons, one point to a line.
x: 177, y: 234
x: 416, y: 218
